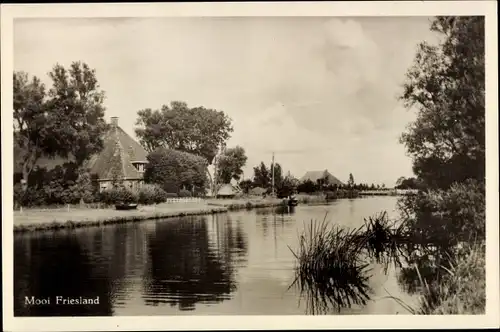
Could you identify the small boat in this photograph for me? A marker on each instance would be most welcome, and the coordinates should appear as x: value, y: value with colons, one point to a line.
x: 126, y: 206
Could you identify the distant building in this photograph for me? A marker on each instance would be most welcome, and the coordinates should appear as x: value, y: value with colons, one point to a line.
x: 257, y: 191
x: 122, y: 159
x: 227, y: 191
x: 314, y: 176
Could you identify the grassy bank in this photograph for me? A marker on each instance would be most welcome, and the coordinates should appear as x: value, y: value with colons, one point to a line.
x: 76, y: 216
x: 55, y: 219
x: 81, y: 216
x: 462, y: 290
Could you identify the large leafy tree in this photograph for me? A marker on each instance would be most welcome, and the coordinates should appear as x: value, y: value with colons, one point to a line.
x: 197, y: 130
x: 175, y: 170
x: 66, y: 121
x: 446, y: 86
x: 230, y: 164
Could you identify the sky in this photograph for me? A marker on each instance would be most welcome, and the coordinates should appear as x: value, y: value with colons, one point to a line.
x: 319, y: 92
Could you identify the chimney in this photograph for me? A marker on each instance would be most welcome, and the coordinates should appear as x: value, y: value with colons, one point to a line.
x: 114, y: 121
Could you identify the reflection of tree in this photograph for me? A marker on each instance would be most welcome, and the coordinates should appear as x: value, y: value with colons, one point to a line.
x: 189, y: 268
x: 50, y: 266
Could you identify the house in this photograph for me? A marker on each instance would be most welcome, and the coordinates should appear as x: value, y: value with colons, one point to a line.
x: 227, y: 191
x: 314, y: 176
x: 257, y: 191
x: 122, y: 159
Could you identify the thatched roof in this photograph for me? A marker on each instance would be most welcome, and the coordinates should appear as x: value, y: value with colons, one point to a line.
x: 226, y: 190
x: 117, y: 157
x: 314, y: 176
x: 259, y: 191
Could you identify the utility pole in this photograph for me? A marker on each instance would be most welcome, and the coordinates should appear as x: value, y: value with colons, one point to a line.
x: 272, y: 176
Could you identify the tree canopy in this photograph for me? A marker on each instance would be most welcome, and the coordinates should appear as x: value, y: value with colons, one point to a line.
x: 197, y: 130
x: 262, y: 176
x: 175, y: 170
x: 230, y: 164
x: 446, y: 86
x: 68, y: 120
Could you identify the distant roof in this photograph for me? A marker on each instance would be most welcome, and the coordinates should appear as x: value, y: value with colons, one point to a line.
x: 117, y: 157
x: 316, y: 175
x: 226, y: 190
x: 258, y: 191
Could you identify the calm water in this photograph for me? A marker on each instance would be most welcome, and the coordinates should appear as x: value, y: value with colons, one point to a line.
x: 236, y: 263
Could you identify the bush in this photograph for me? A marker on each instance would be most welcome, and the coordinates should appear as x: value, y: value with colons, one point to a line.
x: 171, y: 195
x: 151, y: 194
x: 447, y: 217
x: 184, y: 193
x: 117, y: 195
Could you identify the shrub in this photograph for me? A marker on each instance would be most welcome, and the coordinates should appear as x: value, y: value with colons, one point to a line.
x: 118, y: 195
x: 151, y: 194
x: 171, y: 195
x: 447, y: 217
x: 184, y: 193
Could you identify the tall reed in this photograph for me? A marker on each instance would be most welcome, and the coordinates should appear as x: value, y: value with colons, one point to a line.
x: 333, y: 262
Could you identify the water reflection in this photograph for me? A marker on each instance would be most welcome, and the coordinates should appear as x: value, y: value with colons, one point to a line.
x: 46, y: 268
x: 226, y: 264
x: 192, y: 264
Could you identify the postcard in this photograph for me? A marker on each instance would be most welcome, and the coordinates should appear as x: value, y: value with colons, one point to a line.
x: 184, y: 166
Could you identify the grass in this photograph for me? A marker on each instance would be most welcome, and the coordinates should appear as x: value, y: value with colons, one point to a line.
x: 53, y: 220
x: 460, y: 291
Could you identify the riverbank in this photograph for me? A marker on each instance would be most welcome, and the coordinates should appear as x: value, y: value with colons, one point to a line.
x: 36, y: 220
x: 51, y: 219
x: 76, y: 217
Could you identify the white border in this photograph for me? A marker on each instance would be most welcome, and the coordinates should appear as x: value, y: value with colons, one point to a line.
x: 386, y: 8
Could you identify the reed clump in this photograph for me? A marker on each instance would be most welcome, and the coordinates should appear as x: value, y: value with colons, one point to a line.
x: 333, y: 262
x: 331, y: 271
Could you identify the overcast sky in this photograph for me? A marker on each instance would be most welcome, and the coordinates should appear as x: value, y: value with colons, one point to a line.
x: 320, y: 92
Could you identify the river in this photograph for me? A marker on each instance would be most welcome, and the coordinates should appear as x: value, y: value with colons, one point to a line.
x: 239, y: 263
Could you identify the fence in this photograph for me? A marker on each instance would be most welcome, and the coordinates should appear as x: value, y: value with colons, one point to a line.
x: 184, y: 200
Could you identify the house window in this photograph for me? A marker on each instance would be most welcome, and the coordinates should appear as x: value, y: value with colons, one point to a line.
x: 139, y: 167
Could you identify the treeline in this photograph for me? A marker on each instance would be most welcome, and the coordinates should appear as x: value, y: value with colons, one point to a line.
x: 285, y: 185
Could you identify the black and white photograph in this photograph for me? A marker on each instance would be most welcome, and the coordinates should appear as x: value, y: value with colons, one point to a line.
x: 181, y: 164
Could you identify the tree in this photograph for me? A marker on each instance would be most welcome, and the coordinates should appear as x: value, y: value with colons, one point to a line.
x: 287, y: 187
x: 307, y: 187
x: 278, y: 175
x: 175, y: 170
x: 262, y: 176
x: 246, y: 185
x: 197, y: 130
x: 350, y: 182
x: 446, y: 86
x: 66, y: 122
x: 230, y: 165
